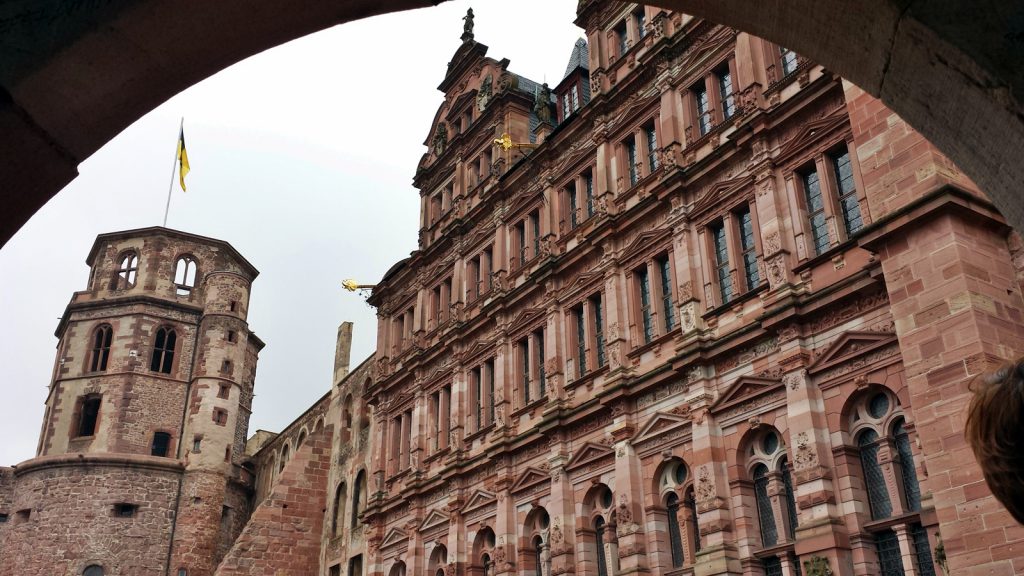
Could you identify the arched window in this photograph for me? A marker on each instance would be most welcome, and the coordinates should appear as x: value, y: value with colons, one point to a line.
x: 485, y: 561
x: 302, y: 438
x: 161, y: 444
x: 163, y: 351
x: 675, y: 535
x: 535, y: 531
x: 93, y: 570
x: 338, y: 517
x: 690, y: 502
x: 438, y: 558
x: 100, y: 348
x: 538, y: 555
x: 398, y: 569
x: 483, y: 549
x: 357, y: 497
x: 878, y: 494
x: 185, y: 275
x: 787, y: 483
x: 127, y: 269
x: 285, y: 455
x: 765, y: 515
x: 911, y: 489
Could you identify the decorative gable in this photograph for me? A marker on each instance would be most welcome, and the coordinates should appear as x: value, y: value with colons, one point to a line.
x: 848, y: 346
x: 659, y: 424
x: 810, y: 134
x: 479, y: 499
x: 643, y: 241
x: 479, y: 347
x: 394, y: 537
x: 583, y: 281
x: 719, y: 193
x: 589, y: 454
x: 525, y: 319
x: 745, y: 388
x: 530, y: 478
x: 433, y: 519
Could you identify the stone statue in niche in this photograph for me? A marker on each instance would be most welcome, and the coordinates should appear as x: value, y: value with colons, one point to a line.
x: 483, y: 96
x: 542, y: 104
x: 440, y: 139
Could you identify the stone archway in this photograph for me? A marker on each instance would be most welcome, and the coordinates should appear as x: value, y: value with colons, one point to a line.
x: 74, y: 74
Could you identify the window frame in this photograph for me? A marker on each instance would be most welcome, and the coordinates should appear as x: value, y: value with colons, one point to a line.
x: 99, y: 353
x: 126, y: 274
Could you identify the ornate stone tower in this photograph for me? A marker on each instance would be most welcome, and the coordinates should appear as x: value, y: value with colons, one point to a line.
x: 138, y: 466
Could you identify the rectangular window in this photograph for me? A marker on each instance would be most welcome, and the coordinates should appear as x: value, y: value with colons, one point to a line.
x: 570, y: 193
x: 538, y: 347
x: 197, y: 444
x: 488, y: 376
x: 534, y: 219
x: 700, y: 96
x: 487, y: 269
x: 816, y: 211
x: 581, y: 340
x: 665, y: 271
x: 622, y: 39
x: 476, y: 383
x: 566, y: 111
x: 220, y: 416
x: 435, y: 416
x: 847, y: 192
x: 644, y: 293
x: 641, y: 23
x: 125, y: 510
x: 598, y: 310
x: 523, y: 349
x: 749, y: 248
x: 722, y: 262
x: 473, y: 278
x: 789, y: 62
x: 629, y: 147
x: 726, y: 92
x: 520, y: 242
x: 161, y: 444
x: 652, y: 146
x: 588, y: 180
x: 574, y: 92
x: 89, y: 416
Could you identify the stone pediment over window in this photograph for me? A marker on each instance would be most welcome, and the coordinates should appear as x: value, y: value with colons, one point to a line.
x: 849, y: 346
x: 433, y: 520
x: 530, y: 478
x: 708, y: 42
x: 478, y: 347
x: 661, y: 424
x: 643, y: 241
x: 719, y: 194
x: 589, y: 454
x: 525, y: 319
x: 394, y: 537
x: 584, y: 281
x: 479, y: 499
x: 744, y: 389
x: 811, y: 133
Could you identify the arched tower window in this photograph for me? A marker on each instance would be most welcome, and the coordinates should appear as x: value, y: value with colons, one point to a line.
x: 285, y: 455
x: 163, y: 350
x: 100, y: 348
x: 127, y: 269
x: 93, y: 570
x: 185, y: 275
x: 358, y: 488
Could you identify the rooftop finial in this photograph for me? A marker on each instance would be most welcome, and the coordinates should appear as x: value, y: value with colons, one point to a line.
x: 467, y: 28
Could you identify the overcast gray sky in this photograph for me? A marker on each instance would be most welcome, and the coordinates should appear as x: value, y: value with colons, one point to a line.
x: 302, y: 158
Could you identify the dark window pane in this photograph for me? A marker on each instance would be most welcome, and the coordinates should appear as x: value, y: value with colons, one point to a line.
x: 847, y: 192
x: 645, y: 303
x: 787, y: 481
x: 816, y: 212
x: 749, y: 248
x: 700, y: 94
x: 890, y: 561
x: 722, y: 263
x: 922, y: 551
x: 772, y: 567
x: 666, y: 293
x: 878, y: 495
x: 765, y: 516
x: 161, y: 443
x: 674, y: 534
x: 911, y: 488
x: 725, y: 87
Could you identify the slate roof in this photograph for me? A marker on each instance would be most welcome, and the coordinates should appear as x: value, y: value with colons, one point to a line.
x: 580, y: 58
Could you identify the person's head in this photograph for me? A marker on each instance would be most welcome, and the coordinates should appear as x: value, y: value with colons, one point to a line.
x: 995, y: 431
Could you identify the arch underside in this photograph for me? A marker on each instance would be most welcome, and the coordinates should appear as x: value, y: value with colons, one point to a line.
x: 73, y: 76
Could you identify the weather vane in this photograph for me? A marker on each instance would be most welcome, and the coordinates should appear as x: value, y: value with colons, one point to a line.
x: 353, y: 286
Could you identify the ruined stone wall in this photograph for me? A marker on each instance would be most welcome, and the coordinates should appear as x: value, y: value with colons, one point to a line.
x: 283, y: 533
x: 64, y: 519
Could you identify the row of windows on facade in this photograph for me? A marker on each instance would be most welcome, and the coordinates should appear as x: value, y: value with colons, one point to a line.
x: 734, y: 242
x: 128, y: 269
x: 162, y: 358
x: 87, y: 418
x: 878, y: 427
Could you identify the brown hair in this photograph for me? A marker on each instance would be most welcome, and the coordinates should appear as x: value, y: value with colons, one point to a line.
x: 995, y: 431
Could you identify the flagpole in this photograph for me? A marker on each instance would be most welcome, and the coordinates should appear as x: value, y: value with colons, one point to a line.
x: 174, y: 166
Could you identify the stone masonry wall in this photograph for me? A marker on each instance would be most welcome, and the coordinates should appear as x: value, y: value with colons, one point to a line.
x: 54, y: 498
x: 283, y: 534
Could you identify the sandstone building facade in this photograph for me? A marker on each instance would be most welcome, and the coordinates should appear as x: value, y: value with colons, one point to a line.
x: 701, y: 308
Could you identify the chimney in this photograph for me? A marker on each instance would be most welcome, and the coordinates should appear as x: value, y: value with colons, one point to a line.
x: 342, y: 351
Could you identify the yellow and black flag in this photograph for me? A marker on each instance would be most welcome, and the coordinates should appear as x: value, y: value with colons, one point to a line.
x: 182, y: 158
